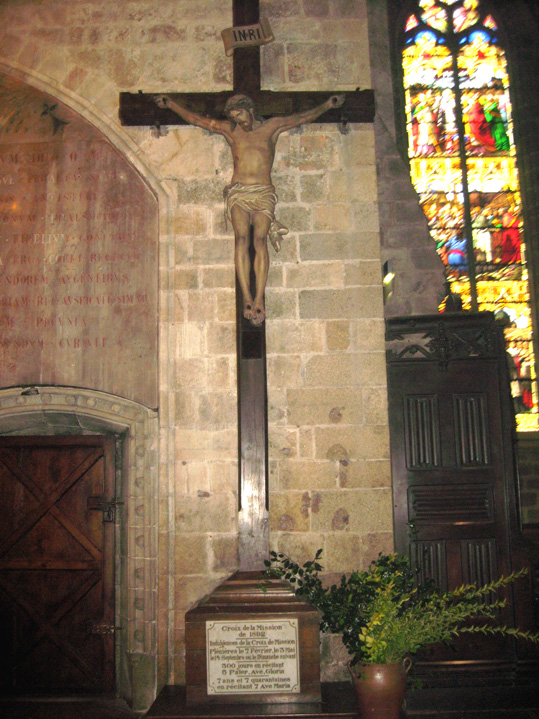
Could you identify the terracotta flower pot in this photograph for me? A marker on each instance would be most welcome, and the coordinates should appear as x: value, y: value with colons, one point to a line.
x: 380, y: 688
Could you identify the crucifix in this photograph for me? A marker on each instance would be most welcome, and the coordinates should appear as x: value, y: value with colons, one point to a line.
x: 205, y: 110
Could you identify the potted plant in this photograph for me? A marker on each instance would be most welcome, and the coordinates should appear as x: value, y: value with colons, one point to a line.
x: 385, y: 614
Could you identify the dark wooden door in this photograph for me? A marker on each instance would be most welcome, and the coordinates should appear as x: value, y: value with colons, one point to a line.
x: 452, y: 465
x: 56, y: 565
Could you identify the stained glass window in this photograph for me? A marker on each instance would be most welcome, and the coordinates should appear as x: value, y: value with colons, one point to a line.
x: 464, y: 167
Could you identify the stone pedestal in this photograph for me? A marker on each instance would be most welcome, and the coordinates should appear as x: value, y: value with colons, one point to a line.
x: 252, y: 642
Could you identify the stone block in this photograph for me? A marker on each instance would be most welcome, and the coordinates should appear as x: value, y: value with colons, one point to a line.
x: 272, y: 65
x: 217, y: 410
x: 280, y: 8
x: 291, y: 337
x: 322, y: 63
x: 368, y: 474
x: 275, y: 276
x: 336, y: 217
x: 352, y: 511
x: 339, y: 246
x: 191, y: 477
x: 281, y: 304
x: 299, y: 546
x: 186, y: 278
x: 191, y: 373
x: 296, y: 474
x: 183, y: 250
x: 342, y: 551
x: 314, y: 274
x: 375, y: 405
x: 285, y: 186
x: 218, y: 276
x: 373, y: 543
x: 197, y: 444
x: 289, y: 250
x: 358, y: 146
x: 295, y: 217
x: 226, y: 305
x: 316, y: 8
x: 306, y: 442
x: 206, y: 514
x: 325, y: 406
x: 363, y: 273
x: 190, y: 221
x: 221, y: 338
x: 368, y: 335
x: 221, y: 373
x: 191, y: 342
x: 289, y: 512
x: 366, y: 216
x: 185, y: 408
x: 277, y: 405
x: 349, y: 8
x: 223, y: 477
x: 195, y: 191
x: 370, y: 442
x: 192, y: 155
x: 336, y: 370
x: 188, y: 592
x: 190, y: 554
x: 318, y: 151
x: 213, y: 251
x: 337, y: 335
x: 350, y: 302
x: 284, y: 371
x: 224, y: 551
x: 313, y: 188
x: 201, y: 306
x: 282, y: 442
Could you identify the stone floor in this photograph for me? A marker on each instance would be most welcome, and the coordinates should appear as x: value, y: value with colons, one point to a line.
x: 116, y: 709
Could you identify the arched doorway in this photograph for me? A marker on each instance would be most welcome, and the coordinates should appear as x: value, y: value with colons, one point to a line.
x: 131, y: 430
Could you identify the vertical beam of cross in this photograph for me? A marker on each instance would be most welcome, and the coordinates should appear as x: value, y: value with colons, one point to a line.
x: 251, y: 354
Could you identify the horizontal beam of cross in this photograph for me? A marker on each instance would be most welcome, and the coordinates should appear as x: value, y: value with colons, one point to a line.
x: 140, y: 109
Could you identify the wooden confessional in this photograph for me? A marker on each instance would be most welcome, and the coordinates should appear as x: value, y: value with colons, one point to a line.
x: 455, y: 487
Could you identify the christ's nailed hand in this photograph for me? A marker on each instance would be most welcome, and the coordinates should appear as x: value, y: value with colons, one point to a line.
x: 161, y: 100
x: 336, y: 100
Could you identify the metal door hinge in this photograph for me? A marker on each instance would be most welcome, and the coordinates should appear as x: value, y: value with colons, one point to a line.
x: 102, y: 505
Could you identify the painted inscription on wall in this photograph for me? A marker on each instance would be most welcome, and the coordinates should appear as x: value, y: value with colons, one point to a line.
x: 78, y: 264
x: 253, y: 657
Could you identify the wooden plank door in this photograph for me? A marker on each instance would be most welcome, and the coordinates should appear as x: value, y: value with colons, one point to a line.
x: 452, y: 469
x: 56, y: 565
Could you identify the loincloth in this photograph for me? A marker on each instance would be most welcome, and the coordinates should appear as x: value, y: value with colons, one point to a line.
x: 256, y: 198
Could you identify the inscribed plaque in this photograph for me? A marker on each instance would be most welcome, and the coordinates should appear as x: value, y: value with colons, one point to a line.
x: 252, y: 657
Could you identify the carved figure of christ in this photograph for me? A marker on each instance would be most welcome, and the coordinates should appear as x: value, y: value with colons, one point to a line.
x: 250, y: 196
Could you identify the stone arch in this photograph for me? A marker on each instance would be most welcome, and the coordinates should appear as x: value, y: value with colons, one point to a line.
x: 91, y: 113
x: 64, y: 410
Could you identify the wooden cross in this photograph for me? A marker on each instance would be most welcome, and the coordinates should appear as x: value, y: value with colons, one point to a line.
x: 140, y: 109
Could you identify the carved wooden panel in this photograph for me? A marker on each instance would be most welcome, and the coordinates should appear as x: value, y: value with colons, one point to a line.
x: 479, y: 560
x: 471, y: 429
x: 454, y: 503
x: 422, y: 432
x: 430, y: 559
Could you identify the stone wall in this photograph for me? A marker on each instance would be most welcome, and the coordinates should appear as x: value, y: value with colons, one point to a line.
x: 329, y: 453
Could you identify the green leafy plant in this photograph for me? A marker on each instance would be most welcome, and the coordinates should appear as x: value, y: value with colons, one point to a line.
x: 384, y: 613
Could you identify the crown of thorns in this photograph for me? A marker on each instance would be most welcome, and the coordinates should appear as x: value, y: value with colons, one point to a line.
x: 239, y: 102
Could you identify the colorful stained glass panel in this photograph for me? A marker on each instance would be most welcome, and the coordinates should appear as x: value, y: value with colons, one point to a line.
x: 468, y: 183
